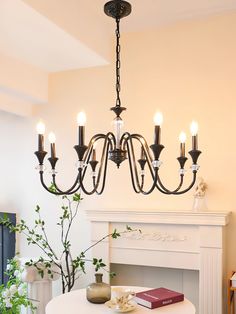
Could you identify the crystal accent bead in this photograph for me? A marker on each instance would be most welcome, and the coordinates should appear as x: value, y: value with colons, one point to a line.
x: 40, y: 168
x: 142, y: 172
x: 53, y: 171
x: 93, y: 173
x: 80, y: 164
x: 157, y: 163
x: 182, y: 171
x: 195, y: 167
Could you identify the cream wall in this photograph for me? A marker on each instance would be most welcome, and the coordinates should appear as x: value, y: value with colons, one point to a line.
x: 187, y: 70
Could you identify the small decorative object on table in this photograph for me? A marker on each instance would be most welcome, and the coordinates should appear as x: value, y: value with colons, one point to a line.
x: 158, y: 297
x: 121, y: 301
x: 199, y: 203
x: 98, y: 292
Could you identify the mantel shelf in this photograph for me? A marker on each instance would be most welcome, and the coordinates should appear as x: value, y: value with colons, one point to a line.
x: 206, y: 218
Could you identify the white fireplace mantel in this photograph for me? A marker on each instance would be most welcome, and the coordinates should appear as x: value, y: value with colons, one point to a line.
x: 162, y: 217
x: 173, y: 239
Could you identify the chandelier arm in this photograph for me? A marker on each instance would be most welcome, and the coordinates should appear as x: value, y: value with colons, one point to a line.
x: 131, y: 171
x: 106, y: 145
x: 144, y: 145
x: 92, y: 141
x: 190, y: 186
x: 143, y: 142
x: 176, y: 191
x: 160, y: 187
x: 104, y: 174
x: 139, y: 189
x: 169, y: 191
x: 153, y: 173
x: 73, y: 188
x: 133, y: 162
x: 58, y: 190
x: 79, y: 179
x: 94, y: 190
x: 45, y: 186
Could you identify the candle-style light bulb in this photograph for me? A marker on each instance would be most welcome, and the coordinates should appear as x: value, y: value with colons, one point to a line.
x: 194, y: 128
x: 81, y: 119
x: 194, y: 131
x: 158, y: 120
x: 182, y: 139
x: 52, y: 138
x: 40, y: 130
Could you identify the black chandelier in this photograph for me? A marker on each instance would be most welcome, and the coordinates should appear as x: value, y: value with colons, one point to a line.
x: 116, y: 146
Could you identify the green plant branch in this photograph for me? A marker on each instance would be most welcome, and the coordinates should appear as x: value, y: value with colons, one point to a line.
x: 114, y: 235
x: 69, y: 269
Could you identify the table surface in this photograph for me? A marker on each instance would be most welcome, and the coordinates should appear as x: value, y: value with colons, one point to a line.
x: 75, y: 302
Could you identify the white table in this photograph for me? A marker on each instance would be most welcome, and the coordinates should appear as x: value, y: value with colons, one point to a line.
x: 75, y: 302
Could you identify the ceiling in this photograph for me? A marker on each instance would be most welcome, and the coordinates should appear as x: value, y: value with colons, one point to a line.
x: 58, y: 35
x: 29, y: 36
x: 155, y: 13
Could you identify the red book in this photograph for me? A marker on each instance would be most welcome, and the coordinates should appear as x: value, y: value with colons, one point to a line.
x: 158, y: 297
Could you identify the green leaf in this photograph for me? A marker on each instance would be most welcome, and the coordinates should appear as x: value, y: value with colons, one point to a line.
x: 102, y: 264
x: 115, y: 234
x: 112, y: 274
x: 52, y: 188
x: 5, y: 216
x: 76, y: 197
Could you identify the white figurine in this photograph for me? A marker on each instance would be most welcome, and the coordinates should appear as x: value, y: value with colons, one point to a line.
x: 199, y: 203
x: 201, y: 188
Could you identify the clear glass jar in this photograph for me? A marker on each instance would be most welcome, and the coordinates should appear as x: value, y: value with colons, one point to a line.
x: 98, y: 292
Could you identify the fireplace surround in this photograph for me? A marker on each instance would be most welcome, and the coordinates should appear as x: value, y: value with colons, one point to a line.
x: 172, y: 239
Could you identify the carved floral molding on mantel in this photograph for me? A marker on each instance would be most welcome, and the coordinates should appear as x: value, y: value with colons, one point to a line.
x: 154, y: 236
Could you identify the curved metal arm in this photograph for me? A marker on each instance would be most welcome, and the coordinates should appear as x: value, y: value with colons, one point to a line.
x: 126, y: 139
x: 80, y: 177
x: 137, y: 180
x: 103, y: 163
x: 46, y: 188
x: 189, y: 187
x: 133, y: 169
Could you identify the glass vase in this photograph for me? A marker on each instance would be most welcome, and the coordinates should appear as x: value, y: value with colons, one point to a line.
x: 199, y: 204
x: 98, y: 292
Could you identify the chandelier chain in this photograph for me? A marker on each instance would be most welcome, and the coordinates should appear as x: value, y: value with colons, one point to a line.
x: 118, y: 48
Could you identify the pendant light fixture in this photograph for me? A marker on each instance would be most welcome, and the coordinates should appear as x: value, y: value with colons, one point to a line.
x: 118, y: 147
